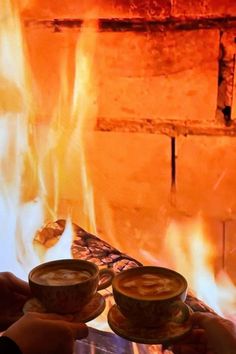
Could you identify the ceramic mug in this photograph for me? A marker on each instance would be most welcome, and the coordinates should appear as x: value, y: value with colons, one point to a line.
x: 149, y: 296
x: 67, y: 285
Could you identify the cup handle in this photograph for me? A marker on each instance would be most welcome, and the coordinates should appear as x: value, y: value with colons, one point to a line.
x: 105, y: 278
x: 179, y: 311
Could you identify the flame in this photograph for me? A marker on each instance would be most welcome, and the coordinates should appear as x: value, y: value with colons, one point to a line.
x: 62, y: 249
x: 84, y: 113
x: 35, y: 177
x: 188, y: 250
x: 17, y: 254
x: 63, y: 166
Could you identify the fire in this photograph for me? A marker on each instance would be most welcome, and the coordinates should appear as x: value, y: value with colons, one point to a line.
x: 188, y: 250
x: 63, y: 167
x: 84, y: 114
x: 62, y: 249
x: 36, y: 174
x: 17, y: 253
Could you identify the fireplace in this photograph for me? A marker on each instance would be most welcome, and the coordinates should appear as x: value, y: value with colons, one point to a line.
x: 123, y: 120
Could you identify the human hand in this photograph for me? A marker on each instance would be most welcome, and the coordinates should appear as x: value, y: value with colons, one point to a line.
x: 45, y: 333
x: 14, y: 292
x: 215, y: 335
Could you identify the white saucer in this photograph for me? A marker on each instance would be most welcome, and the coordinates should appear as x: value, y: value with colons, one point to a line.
x: 90, y: 311
x: 164, y: 334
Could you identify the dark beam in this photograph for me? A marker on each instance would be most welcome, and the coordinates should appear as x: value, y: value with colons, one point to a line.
x: 171, y: 128
x: 137, y: 24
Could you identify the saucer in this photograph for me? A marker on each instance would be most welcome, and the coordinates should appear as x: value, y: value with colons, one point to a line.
x: 164, y: 334
x: 90, y: 311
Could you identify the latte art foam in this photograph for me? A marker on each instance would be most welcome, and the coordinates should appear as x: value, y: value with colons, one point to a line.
x: 62, y: 277
x: 150, y: 285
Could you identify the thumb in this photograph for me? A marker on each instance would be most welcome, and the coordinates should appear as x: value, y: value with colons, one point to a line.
x: 51, y: 316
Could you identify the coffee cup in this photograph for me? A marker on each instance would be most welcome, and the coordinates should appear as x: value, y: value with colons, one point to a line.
x: 149, y: 296
x: 67, y: 285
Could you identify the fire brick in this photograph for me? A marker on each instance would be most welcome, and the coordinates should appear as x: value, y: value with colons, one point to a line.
x: 100, y: 8
x: 160, y: 75
x: 130, y: 170
x: 226, y: 93
x: 131, y: 182
x: 167, y: 75
x: 139, y: 232
x: 205, y: 176
x: 221, y: 7
x: 188, y: 8
x: 233, y: 117
x: 147, y: 8
x: 230, y: 249
x: 204, y: 7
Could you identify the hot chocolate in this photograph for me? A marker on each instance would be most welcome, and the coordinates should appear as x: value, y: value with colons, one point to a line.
x: 61, y: 276
x: 150, y: 285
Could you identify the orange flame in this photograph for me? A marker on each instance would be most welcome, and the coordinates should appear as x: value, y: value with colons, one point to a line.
x: 84, y: 113
x: 188, y: 250
x: 63, y: 165
x: 59, y: 170
x: 17, y: 252
x: 35, y: 177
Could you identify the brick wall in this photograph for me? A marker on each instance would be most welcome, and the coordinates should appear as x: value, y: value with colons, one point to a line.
x: 164, y: 145
x: 131, y: 8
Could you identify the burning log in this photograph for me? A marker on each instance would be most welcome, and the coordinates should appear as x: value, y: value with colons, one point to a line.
x: 86, y: 246
x: 91, y: 248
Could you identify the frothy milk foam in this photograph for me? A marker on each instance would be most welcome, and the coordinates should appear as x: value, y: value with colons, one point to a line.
x: 150, y: 285
x: 62, y: 276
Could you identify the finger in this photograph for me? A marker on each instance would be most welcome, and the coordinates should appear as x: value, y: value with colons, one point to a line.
x: 19, y: 298
x: 199, y: 318
x: 18, y: 285
x: 186, y: 349
x: 78, y: 330
x: 198, y: 336
x: 195, y: 336
x: 203, y: 315
x: 15, y: 303
x: 52, y: 316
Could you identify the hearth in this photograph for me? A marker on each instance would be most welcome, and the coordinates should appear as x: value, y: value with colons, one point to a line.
x: 119, y: 117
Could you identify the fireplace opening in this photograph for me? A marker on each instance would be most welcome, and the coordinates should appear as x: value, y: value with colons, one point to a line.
x: 119, y: 117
